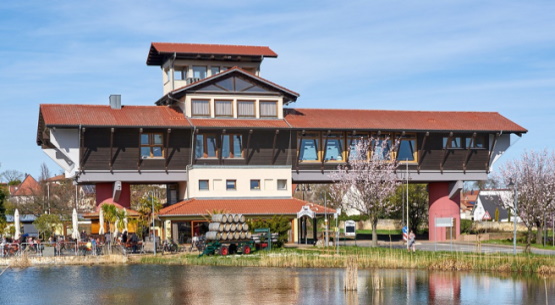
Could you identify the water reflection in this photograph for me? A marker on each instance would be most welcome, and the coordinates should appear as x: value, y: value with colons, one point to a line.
x: 157, y: 284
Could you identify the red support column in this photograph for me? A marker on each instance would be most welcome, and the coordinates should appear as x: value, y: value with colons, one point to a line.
x: 442, y: 206
x: 105, y: 191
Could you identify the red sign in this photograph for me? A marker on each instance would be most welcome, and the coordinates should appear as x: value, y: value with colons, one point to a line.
x: 486, y: 216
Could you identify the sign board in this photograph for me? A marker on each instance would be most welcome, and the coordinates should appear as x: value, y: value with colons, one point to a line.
x: 446, y: 222
x: 350, y: 228
x: 486, y: 216
x: 405, y: 233
x: 306, y: 211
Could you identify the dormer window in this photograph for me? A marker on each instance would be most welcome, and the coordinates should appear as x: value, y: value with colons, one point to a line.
x: 223, y: 108
x: 200, y: 108
x: 268, y: 109
x: 245, y: 109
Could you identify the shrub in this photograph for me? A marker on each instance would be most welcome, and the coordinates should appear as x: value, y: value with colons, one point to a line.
x: 466, y: 226
x: 276, y: 224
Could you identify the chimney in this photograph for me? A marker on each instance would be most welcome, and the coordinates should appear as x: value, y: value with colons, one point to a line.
x: 115, y: 101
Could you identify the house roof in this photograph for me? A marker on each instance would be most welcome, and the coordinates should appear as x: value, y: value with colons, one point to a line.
x: 160, y: 50
x: 491, y: 203
x: 29, y: 187
x: 180, y: 92
x: 400, y: 120
x: 99, y: 115
x: 239, y: 123
x: 271, y: 206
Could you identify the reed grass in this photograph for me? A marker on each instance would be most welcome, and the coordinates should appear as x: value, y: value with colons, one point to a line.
x: 369, y: 258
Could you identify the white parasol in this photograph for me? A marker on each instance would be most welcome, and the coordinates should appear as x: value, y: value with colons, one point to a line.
x: 116, y: 231
x: 75, y: 225
x: 17, y: 224
x: 101, y: 222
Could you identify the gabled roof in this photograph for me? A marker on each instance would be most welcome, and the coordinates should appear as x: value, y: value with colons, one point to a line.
x: 64, y: 115
x: 238, y: 123
x: 201, y: 207
x: 289, y: 95
x: 29, y: 187
x: 492, y: 202
x: 385, y: 120
x: 159, y: 51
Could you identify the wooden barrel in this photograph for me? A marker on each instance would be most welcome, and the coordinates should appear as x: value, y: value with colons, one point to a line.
x: 239, y: 218
x: 248, y: 235
x: 227, y: 227
x: 216, y: 226
x: 233, y: 227
x: 242, y: 235
x: 237, y: 235
x: 245, y: 227
x: 213, y: 235
x: 229, y: 218
x: 219, y: 218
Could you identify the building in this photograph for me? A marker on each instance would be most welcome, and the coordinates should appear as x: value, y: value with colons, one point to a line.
x: 221, y: 134
x: 468, y: 201
x: 491, y: 201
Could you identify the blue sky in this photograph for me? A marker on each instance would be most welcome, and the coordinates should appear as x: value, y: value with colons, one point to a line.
x: 404, y: 55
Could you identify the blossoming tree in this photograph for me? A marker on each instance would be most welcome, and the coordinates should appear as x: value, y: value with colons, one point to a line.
x: 368, y: 180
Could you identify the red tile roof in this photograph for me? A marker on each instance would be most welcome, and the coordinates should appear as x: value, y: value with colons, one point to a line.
x: 238, y: 123
x: 29, y: 187
x: 200, y: 207
x: 399, y: 120
x: 156, y: 48
x: 100, y: 115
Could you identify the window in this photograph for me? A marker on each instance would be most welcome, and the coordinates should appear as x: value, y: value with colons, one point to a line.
x: 214, y: 70
x: 231, y: 185
x: 152, y: 145
x: 205, y: 146
x: 180, y: 73
x: 255, y: 184
x: 232, y: 146
x: 455, y: 143
x: 203, y: 185
x: 354, y: 142
x: 223, y: 108
x: 282, y: 184
x: 479, y: 142
x: 334, y: 147
x: 308, y: 148
x: 199, y: 71
x: 245, y: 109
x: 268, y: 109
x: 407, y: 148
x: 381, y: 147
x: 200, y: 107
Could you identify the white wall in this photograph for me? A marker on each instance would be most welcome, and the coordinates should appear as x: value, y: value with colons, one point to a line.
x: 217, y: 176
x: 66, y: 153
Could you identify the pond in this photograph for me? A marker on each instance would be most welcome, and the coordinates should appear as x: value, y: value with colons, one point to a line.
x: 164, y: 284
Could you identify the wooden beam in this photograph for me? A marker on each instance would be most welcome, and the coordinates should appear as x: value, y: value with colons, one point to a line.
x: 324, y: 148
x: 420, y: 154
x: 468, y: 151
x: 274, y: 147
x: 248, y: 146
x: 111, y: 149
x: 166, y: 156
x: 299, y: 151
x: 446, y: 151
x: 81, y: 146
x: 490, y: 153
x: 221, y: 146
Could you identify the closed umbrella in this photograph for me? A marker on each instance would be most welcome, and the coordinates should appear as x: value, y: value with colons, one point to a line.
x: 101, y: 222
x: 16, y: 223
x: 125, y: 221
x: 116, y: 231
x: 75, y: 225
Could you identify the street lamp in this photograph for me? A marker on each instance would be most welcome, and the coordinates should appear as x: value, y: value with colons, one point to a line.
x: 515, y: 197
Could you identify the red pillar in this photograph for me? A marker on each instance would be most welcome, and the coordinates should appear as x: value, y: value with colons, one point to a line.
x: 105, y: 191
x: 443, y: 206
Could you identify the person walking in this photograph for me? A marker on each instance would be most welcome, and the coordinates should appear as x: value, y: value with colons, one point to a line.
x: 412, y: 242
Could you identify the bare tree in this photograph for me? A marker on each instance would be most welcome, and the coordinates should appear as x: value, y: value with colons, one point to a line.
x: 534, y: 178
x: 369, y: 180
x: 12, y: 176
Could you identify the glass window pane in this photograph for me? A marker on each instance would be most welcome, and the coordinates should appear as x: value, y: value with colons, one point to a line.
x: 334, y: 150
x: 406, y: 150
x: 144, y: 139
x: 199, y: 72
x: 214, y: 70
x: 145, y: 152
x: 309, y: 150
x: 268, y: 109
x: 211, y: 146
x: 157, y: 151
x: 157, y: 139
x: 225, y: 146
x: 199, y: 146
x: 282, y: 184
x: 381, y: 149
x: 245, y: 109
x: 203, y: 184
x: 237, y: 146
x: 230, y: 184
x: 255, y: 184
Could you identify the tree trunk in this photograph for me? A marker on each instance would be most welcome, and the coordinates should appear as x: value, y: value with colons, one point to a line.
x: 374, y: 231
x: 528, y: 239
x: 539, y: 234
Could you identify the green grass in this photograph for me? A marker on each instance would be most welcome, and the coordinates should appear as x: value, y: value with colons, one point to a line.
x: 519, y: 244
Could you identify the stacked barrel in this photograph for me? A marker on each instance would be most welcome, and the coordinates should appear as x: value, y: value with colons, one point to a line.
x: 228, y: 227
